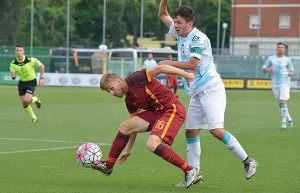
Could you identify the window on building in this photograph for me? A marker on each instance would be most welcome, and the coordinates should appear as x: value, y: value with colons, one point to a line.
x: 284, y: 21
x: 254, y: 21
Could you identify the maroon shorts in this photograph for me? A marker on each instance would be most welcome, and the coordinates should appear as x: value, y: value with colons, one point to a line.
x: 172, y: 81
x: 165, y: 124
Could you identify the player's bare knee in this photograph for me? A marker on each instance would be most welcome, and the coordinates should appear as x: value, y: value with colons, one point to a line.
x: 191, y: 133
x: 25, y: 102
x: 125, y: 129
x: 152, y: 144
x: 219, y: 133
x: 282, y: 103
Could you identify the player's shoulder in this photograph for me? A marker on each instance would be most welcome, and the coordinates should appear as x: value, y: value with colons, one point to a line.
x: 272, y: 57
x: 13, y: 62
x: 32, y: 59
x: 287, y: 58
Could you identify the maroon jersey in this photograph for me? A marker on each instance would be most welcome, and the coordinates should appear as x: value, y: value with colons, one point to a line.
x: 147, y: 93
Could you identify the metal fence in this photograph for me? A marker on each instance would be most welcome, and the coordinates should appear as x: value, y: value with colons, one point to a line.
x: 228, y: 66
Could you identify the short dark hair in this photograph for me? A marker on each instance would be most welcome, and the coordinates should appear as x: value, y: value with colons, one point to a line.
x: 280, y: 43
x: 19, y: 46
x: 186, y: 12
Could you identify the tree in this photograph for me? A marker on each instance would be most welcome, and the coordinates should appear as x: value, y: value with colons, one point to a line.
x: 9, y: 22
x: 88, y: 18
x: 133, y: 8
x: 116, y: 27
x: 86, y: 21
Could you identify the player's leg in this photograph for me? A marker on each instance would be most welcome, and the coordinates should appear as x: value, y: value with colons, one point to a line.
x: 133, y: 125
x: 37, y: 101
x: 194, y: 121
x: 215, y: 104
x: 283, y: 110
x: 277, y: 93
x: 25, y: 94
x: 175, y: 84
x: 284, y: 96
x: 164, y: 130
x: 158, y: 147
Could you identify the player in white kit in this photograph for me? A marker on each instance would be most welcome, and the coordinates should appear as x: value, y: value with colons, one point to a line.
x: 281, y: 69
x: 149, y: 62
x: 207, y: 93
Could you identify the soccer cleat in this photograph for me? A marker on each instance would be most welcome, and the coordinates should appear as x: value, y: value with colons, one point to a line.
x: 283, y: 125
x: 102, y: 168
x: 38, y: 103
x: 290, y: 125
x: 250, y: 168
x: 199, y: 178
x: 190, y: 177
x: 33, y: 120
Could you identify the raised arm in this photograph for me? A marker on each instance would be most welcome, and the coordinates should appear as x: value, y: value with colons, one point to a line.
x: 166, y: 69
x: 163, y: 13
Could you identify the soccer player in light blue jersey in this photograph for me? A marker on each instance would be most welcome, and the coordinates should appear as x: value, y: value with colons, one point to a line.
x: 281, y: 69
x: 207, y: 92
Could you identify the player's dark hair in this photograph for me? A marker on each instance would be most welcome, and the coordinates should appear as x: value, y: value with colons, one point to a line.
x: 19, y: 46
x: 280, y: 43
x: 186, y: 12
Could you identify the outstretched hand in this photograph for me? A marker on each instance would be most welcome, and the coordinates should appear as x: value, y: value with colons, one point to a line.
x: 123, y: 157
x: 190, y: 78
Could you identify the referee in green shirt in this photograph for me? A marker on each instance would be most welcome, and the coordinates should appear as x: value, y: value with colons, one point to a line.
x: 24, y: 66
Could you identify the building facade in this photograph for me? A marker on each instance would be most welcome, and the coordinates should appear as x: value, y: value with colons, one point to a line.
x: 258, y: 25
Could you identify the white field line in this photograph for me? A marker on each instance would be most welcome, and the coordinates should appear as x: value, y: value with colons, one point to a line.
x: 33, y: 150
x: 48, y: 140
x: 46, y: 149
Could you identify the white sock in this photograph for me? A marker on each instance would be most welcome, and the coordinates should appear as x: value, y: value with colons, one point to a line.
x: 193, y: 151
x: 288, y: 116
x: 283, y: 109
x: 233, y: 145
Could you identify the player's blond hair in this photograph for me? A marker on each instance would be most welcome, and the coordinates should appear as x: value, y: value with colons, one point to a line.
x: 106, y: 78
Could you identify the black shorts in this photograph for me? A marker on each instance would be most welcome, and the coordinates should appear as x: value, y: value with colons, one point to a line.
x: 27, y: 87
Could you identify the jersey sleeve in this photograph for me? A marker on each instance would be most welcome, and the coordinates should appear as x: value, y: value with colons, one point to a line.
x: 132, y: 110
x: 197, y: 46
x: 36, y: 62
x: 11, y: 67
x: 290, y: 66
x: 267, y: 63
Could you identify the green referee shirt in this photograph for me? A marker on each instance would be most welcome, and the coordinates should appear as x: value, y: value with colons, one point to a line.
x: 25, y: 68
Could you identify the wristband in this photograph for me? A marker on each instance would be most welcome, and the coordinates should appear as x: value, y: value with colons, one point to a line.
x: 41, y: 78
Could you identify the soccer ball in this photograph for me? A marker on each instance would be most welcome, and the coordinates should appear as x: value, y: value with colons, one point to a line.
x: 88, y: 154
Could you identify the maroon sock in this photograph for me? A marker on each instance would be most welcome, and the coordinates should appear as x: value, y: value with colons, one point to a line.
x: 117, y: 147
x: 175, y: 89
x: 171, y: 156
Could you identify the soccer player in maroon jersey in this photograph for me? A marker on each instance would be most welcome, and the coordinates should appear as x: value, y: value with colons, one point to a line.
x: 172, y: 81
x: 153, y: 108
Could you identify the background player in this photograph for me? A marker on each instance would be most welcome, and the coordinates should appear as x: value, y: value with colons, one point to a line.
x: 281, y: 69
x: 149, y: 62
x: 172, y: 79
x: 162, y: 115
x: 24, y: 66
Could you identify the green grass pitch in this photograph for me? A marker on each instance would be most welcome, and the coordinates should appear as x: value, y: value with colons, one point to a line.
x: 40, y: 157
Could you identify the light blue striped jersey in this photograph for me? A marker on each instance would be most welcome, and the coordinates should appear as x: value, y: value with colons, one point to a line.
x: 281, y: 66
x: 196, y: 45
